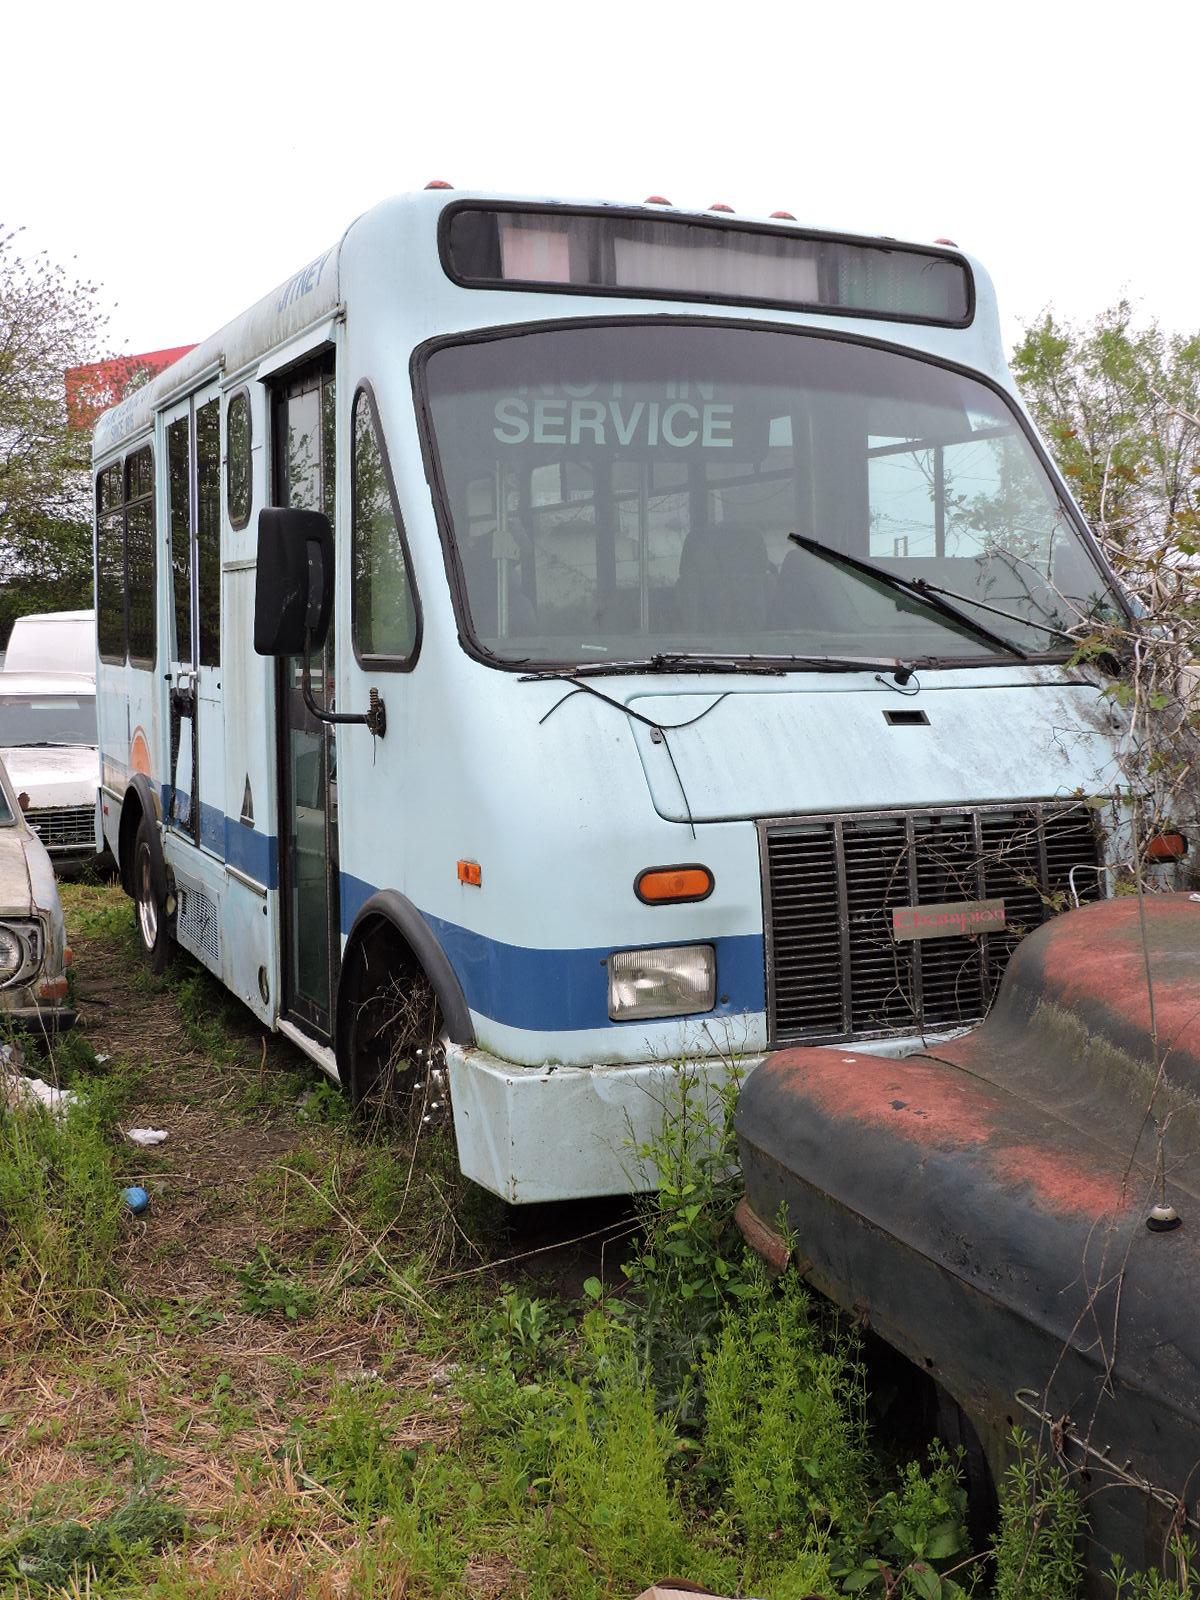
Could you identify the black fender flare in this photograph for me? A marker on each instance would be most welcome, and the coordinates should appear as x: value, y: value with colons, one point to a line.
x: 389, y: 905
x: 141, y: 786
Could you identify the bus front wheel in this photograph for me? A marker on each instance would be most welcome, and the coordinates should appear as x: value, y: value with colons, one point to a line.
x: 149, y: 901
x: 396, y: 1066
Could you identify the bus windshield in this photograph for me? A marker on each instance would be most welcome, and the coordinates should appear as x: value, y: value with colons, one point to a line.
x: 621, y: 491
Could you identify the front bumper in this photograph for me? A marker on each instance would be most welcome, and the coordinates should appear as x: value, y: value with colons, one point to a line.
x: 46, y: 1018
x: 532, y: 1134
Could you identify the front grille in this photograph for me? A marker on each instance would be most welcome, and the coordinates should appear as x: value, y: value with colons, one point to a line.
x: 63, y: 827
x: 834, y: 969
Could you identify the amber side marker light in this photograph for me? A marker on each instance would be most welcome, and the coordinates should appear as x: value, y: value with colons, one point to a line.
x: 1167, y: 847
x: 656, y: 886
x: 470, y: 872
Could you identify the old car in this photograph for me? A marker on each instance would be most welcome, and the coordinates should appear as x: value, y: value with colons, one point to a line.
x: 48, y: 743
x: 1017, y: 1211
x: 34, y: 957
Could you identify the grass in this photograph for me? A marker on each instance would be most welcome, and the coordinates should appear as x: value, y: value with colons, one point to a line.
x: 314, y: 1367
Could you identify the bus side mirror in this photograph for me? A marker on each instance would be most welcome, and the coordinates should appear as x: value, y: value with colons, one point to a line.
x: 293, y: 593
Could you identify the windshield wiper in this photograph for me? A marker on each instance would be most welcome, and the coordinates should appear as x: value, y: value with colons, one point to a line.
x: 916, y: 587
x: 681, y: 661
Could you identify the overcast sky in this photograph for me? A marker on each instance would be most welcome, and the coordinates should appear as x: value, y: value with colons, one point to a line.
x: 193, y: 156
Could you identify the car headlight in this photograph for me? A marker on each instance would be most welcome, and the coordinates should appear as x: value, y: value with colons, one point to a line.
x: 671, y: 982
x: 20, y: 952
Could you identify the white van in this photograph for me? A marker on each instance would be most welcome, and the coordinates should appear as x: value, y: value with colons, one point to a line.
x: 48, y: 744
x: 55, y: 641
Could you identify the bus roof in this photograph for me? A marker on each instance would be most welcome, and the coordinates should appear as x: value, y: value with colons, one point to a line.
x: 313, y: 294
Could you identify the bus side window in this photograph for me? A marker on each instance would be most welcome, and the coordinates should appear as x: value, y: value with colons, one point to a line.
x: 238, y: 490
x: 110, y: 565
x: 178, y: 471
x: 208, y: 531
x: 141, y: 566
x: 384, y: 611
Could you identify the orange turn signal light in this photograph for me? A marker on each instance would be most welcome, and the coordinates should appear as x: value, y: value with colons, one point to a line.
x: 470, y: 872
x: 657, y: 886
x: 1167, y: 847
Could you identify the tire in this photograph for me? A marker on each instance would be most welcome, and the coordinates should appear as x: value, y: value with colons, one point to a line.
x: 393, y: 1038
x: 150, y: 912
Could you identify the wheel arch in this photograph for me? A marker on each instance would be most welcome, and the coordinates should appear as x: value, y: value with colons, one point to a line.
x: 139, y: 802
x: 390, y: 909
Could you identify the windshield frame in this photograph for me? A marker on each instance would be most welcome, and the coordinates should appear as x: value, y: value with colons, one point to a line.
x: 431, y: 460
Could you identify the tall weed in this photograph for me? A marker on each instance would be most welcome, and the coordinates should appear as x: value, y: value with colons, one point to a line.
x: 60, y: 1211
x: 692, y: 1260
x: 784, y: 1435
x: 1041, y: 1519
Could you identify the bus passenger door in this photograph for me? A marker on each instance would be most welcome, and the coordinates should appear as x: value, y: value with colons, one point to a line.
x: 304, y: 476
x: 194, y: 806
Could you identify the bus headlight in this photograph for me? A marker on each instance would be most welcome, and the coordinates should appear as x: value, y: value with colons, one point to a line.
x: 672, y: 982
x: 20, y: 952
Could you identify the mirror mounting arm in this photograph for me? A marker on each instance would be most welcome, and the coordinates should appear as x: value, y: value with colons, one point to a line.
x: 375, y: 719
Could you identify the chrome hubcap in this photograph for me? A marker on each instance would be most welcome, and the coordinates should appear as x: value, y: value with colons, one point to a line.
x: 147, y: 907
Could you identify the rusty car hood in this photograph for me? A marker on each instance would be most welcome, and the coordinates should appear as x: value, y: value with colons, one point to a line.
x: 984, y: 1203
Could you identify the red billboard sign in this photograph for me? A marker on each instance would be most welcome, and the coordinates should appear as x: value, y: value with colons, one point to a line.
x: 100, y: 384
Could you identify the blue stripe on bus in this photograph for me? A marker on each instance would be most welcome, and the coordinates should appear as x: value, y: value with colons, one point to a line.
x: 256, y: 854
x: 521, y: 987
x: 560, y: 990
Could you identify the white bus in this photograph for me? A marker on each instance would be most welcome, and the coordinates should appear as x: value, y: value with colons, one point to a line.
x: 687, y: 604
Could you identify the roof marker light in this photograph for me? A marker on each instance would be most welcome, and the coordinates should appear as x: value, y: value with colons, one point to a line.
x: 717, y: 205
x: 784, y: 216
x: 438, y: 183
x: 950, y: 242
x: 656, y: 200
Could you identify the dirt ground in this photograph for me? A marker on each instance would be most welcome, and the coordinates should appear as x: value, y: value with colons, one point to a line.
x: 181, y: 1372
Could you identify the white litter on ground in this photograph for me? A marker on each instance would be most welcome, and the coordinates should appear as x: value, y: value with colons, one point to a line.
x: 146, y: 1136
x: 18, y: 1091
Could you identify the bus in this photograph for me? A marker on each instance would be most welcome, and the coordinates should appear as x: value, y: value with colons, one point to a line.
x: 541, y: 644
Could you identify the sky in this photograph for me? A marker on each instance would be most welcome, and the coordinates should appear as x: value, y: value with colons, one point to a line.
x: 189, y: 157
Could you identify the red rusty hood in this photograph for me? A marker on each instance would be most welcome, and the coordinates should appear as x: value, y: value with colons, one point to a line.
x: 1024, y: 1152
x: 984, y: 1204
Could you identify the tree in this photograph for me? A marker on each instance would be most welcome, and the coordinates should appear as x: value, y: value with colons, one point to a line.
x: 1119, y: 405
x: 49, y: 321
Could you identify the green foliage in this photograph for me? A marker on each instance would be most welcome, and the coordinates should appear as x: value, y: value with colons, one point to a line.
x: 268, y: 1288
x: 1119, y: 403
x: 52, y: 1556
x: 911, y: 1536
x: 692, y: 1260
x: 784, y: 1432
x: 61, y: 1208
x: 1041, y: 1519
x: 607, y: 1469
x: 1153, y: 1585
x: 350, y: 1454
x: 526, y: 1332
x: 48, y: 322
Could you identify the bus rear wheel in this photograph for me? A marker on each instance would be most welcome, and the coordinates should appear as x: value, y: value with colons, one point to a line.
x: 150, y: 911
x: 396, y: 1070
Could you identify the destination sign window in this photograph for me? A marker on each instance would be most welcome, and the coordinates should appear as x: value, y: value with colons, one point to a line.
x: 681, y: 259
